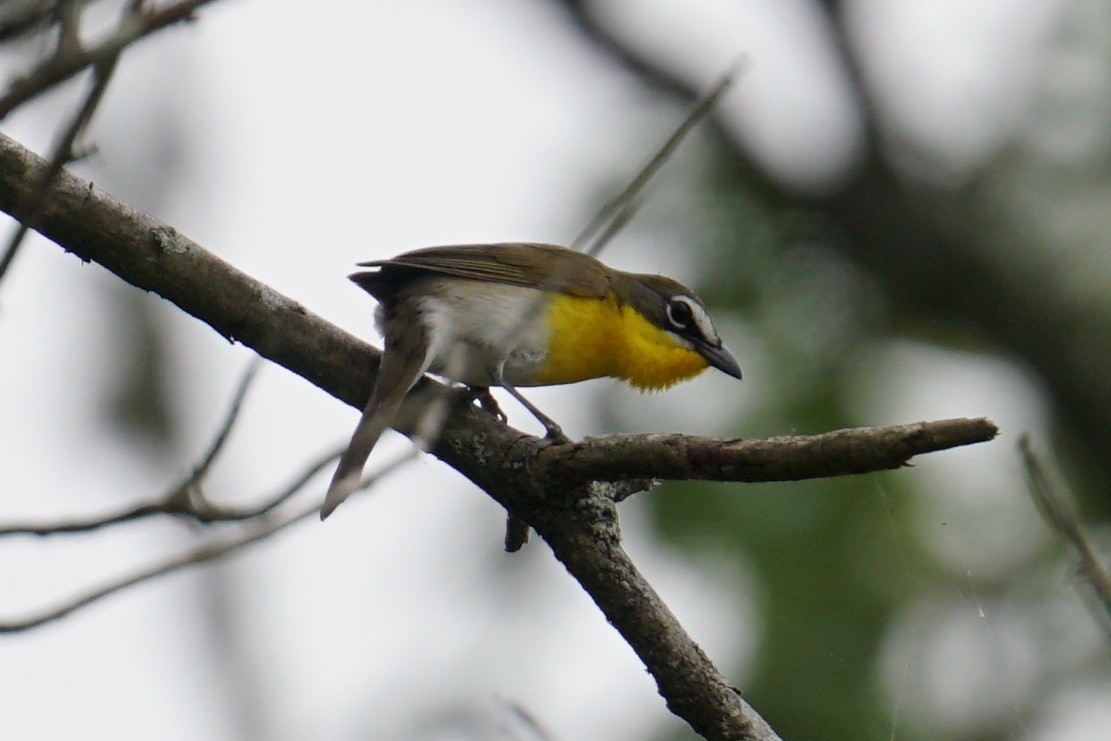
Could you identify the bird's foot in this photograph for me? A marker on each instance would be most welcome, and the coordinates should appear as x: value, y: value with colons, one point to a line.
x: 554, y: 434
x: 487, y: 402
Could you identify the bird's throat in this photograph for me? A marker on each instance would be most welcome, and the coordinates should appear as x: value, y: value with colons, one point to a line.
x: 592, y: 338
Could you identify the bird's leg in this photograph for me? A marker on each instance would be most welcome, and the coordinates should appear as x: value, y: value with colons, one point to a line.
x: 486, y: 400
x: 553, y: 431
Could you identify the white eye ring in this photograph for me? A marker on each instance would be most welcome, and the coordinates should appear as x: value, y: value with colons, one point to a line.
x: 680, y: 312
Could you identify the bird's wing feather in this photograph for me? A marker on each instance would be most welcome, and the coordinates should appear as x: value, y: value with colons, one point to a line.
x: 521, y: 264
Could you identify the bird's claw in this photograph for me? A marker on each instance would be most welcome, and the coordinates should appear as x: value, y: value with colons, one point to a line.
x: 489, y: 404
x: 554, y: 435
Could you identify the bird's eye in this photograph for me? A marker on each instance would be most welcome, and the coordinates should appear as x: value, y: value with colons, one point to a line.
x: 679, y: 313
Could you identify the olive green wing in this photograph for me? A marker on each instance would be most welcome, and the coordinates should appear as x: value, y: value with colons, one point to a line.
x: 531, y: 265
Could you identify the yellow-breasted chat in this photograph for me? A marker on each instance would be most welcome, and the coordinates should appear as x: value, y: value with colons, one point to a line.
x: 521, y: 314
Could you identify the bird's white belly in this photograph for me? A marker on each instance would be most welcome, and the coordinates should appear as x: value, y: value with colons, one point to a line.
x: 474, y: 330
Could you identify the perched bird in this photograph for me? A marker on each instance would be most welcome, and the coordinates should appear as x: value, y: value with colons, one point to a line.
x: 515, y: 315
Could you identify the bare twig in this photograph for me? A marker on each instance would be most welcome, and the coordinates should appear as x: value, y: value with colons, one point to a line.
x: 130, y: 514
x: 69, y: 27
x: 218, y: 547
x: 19, y: 19
x: 1056, y: 503
x: 617, y: 212
x: 184, y: 499
x: 222, y: 435
x: 60, y: 68
x: 211, y: 513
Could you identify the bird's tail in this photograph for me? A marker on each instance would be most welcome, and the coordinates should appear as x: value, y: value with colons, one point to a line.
x: 376, y: 418
x: 403, y: 362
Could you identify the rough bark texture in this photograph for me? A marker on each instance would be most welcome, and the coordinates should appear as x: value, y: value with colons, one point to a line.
x: 790, y: 458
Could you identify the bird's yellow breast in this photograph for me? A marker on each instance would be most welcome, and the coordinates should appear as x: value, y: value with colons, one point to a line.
x: 592, y: 338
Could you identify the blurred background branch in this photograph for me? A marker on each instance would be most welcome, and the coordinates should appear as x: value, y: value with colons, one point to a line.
x: 219, y: 546
x: 1058, y: 507
x: 69, y: 59
x: 187, y: 500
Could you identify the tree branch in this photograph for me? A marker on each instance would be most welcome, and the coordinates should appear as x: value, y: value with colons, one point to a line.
x: 684, y: 457
x: 218, y: 547
x: 185, y: 499
x: 583, y: 532
x: 18, y: 19
x: 578, y: 523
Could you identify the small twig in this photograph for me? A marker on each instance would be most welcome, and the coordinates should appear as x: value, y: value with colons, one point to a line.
x: 185, y: 498
x: 69, y: 27
x: 217, y: 547
x: 620, y: 209
x: 211, y: 513
x: 1056, y: 503
x: 58, y: 69
x: 130, y: 514
x: 27, y: 17
x: 201, y: 469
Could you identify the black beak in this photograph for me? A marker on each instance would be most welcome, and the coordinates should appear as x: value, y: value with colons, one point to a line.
x: 720, y: 358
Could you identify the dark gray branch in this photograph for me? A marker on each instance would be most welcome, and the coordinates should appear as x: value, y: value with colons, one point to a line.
x: 583, y: 532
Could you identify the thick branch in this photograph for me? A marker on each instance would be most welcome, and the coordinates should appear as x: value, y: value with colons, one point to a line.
x: 681, y: 457
x: 585, y: 538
